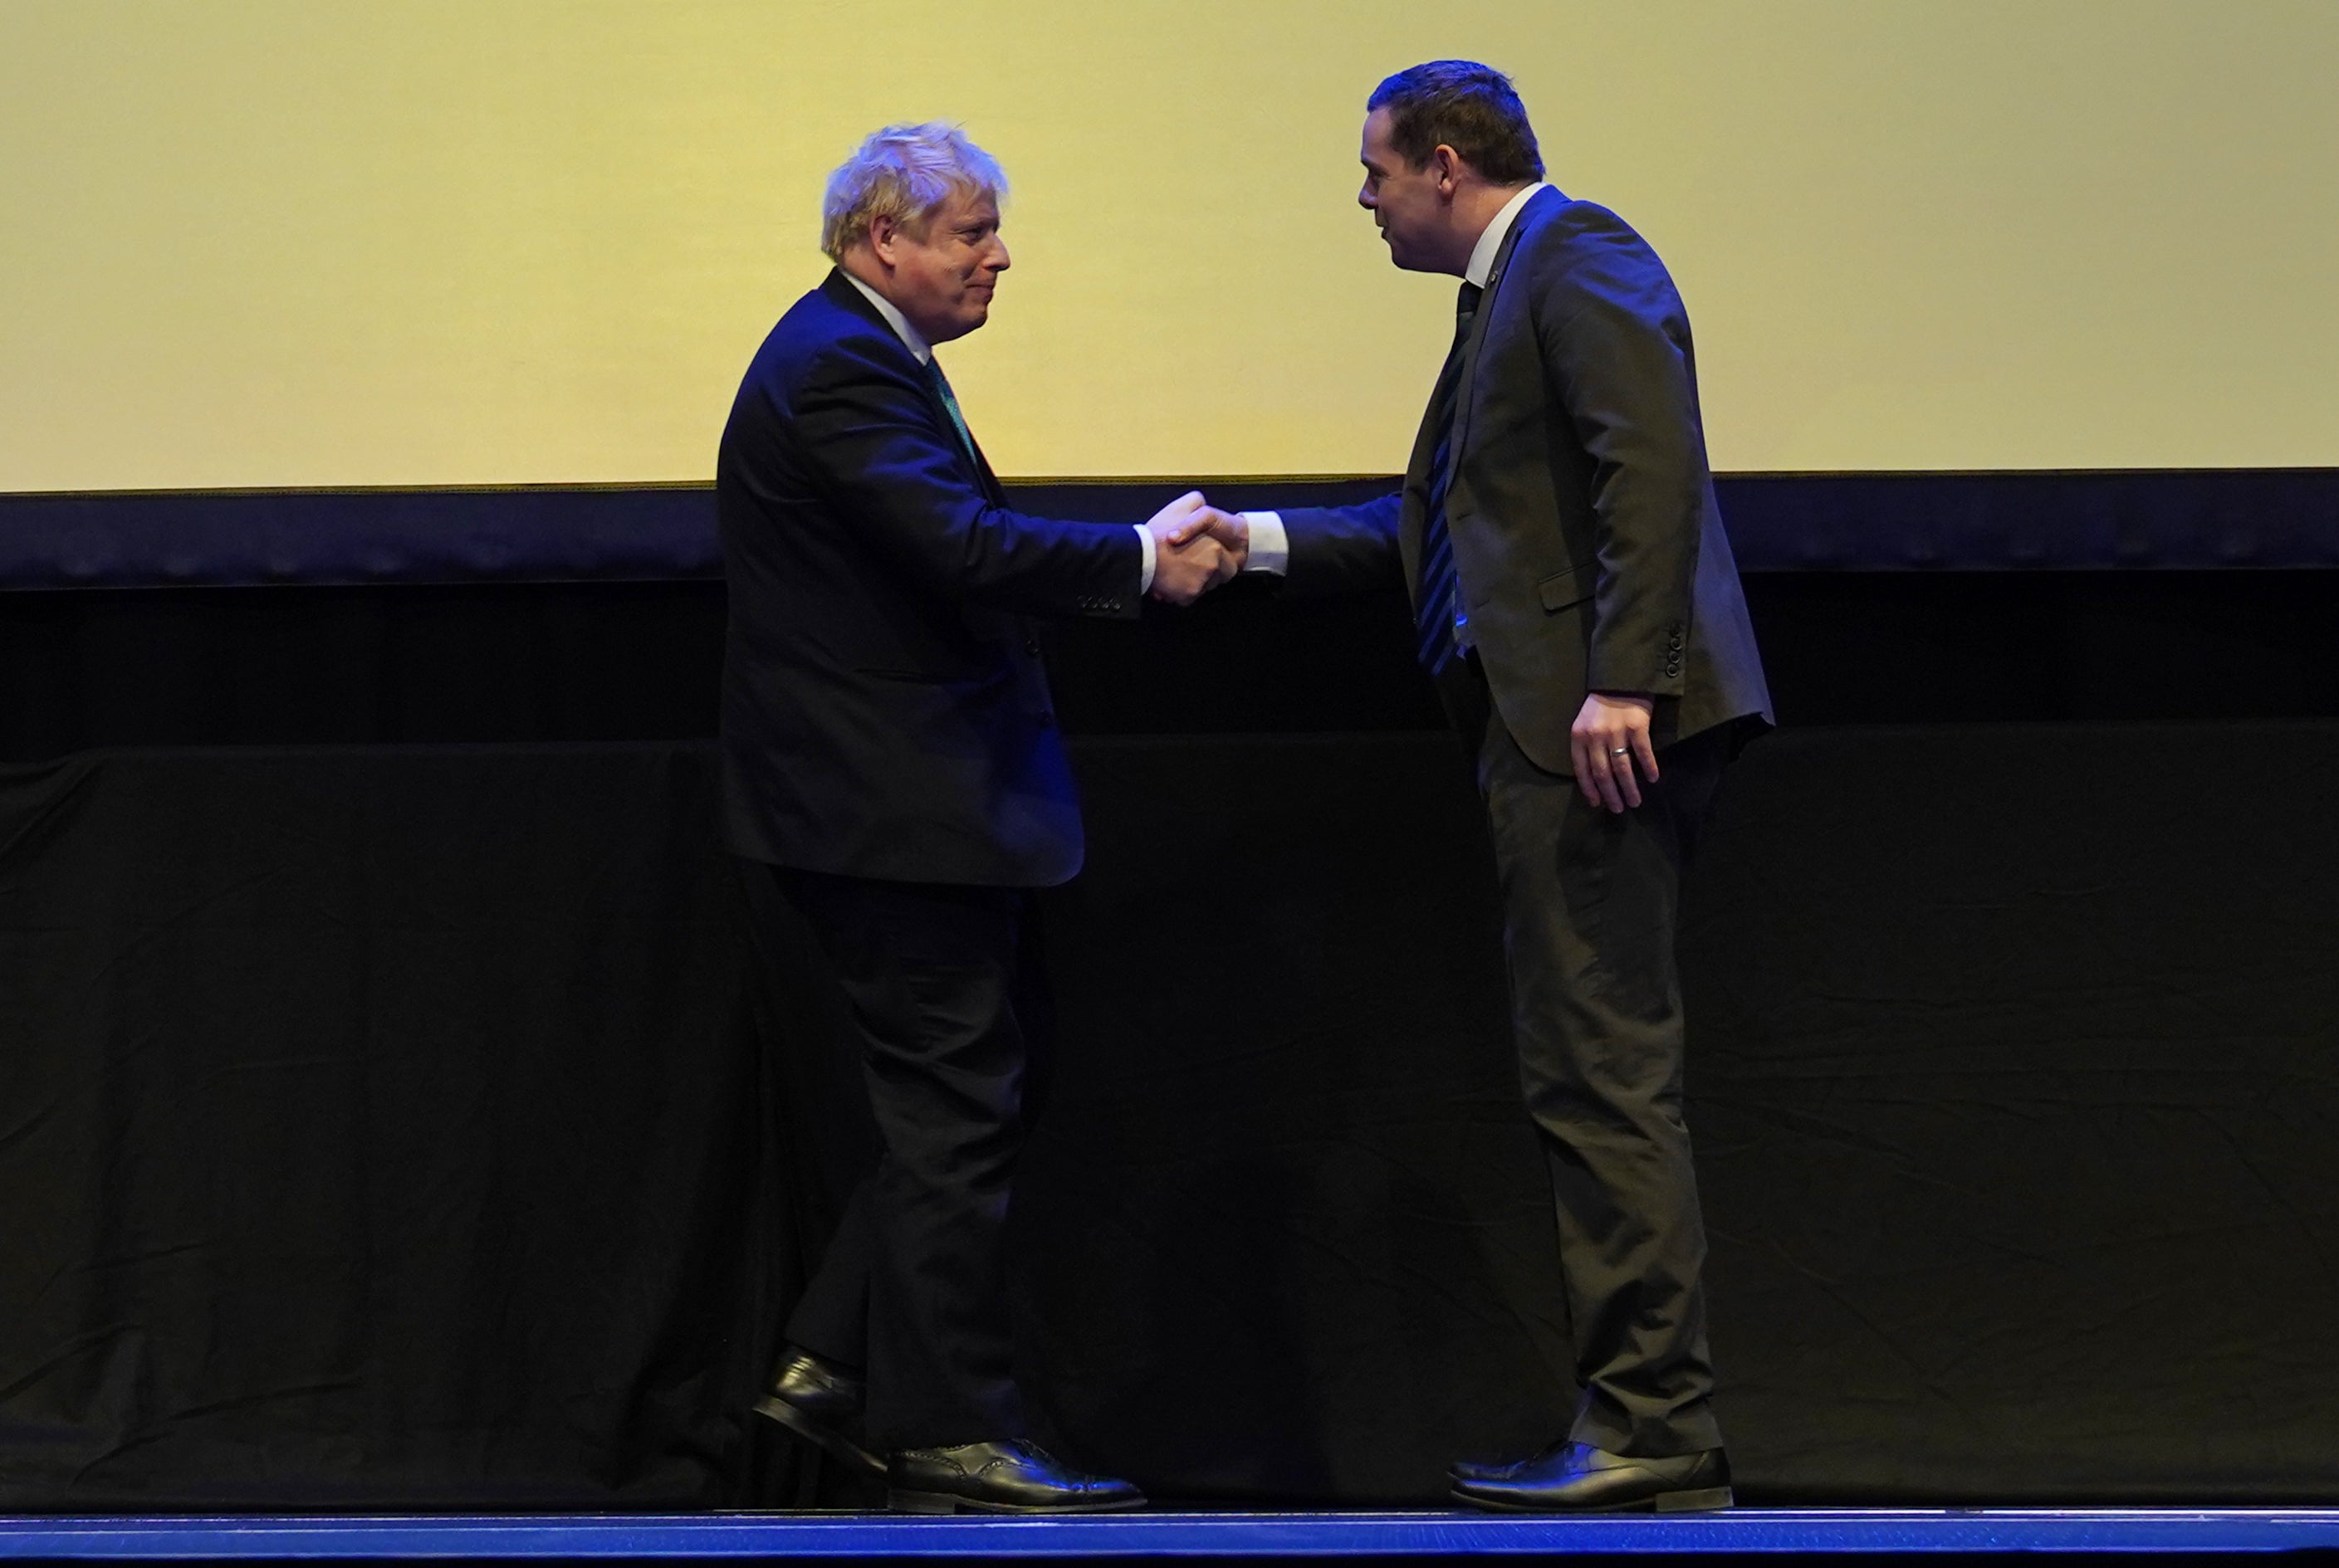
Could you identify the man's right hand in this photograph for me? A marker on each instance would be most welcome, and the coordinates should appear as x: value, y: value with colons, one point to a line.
x: 1188, y: 558
x: 1231, y: 529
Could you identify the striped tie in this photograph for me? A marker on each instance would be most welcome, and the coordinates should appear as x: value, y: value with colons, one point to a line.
x: 1440, y: 585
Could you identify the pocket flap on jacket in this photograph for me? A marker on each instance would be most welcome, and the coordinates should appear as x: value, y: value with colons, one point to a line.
x: 1572, y: 586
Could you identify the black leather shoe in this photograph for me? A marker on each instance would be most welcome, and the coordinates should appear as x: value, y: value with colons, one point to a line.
x: 819, y: 1402
x: 1017, y: 1476
x: 1577, y: 1478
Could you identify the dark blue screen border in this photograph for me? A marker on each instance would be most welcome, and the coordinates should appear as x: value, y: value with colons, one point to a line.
x: 2185, y: 519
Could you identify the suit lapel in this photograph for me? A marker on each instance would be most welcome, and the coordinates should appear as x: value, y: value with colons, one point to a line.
x: 838, y: 287
x: 990, y: 484
x: 1541, y: 202
x: 960, y: 436
x: 1415, y: 516
x: 985, y: 480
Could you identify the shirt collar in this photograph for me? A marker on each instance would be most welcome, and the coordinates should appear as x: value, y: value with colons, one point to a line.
x: 894, y: 319
x: 1490, y: 243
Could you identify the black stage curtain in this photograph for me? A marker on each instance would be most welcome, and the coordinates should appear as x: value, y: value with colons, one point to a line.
x: 378, y: 1127
x: 447, y: 1127
x: 604, y: 661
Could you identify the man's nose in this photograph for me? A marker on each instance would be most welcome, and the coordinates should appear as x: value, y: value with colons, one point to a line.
x: 1365, y: 197
x: 1000, y: 260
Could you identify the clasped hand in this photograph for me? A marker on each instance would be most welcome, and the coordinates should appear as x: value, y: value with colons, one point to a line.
x: 1196, y: 547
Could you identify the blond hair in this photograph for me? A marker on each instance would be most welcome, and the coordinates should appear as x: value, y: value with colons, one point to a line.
x: 903, y: 173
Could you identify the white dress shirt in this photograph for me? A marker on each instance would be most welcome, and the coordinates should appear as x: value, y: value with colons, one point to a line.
x: 1490, y: 243
x: 1270, y: 546
x: 918, y: 346
x: 894, y: 319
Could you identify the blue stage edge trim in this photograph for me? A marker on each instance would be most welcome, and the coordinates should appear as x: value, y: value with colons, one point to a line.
x: 1166, y: 1534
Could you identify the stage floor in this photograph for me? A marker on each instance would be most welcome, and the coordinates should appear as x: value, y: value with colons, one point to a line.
x: 1165, y: 1533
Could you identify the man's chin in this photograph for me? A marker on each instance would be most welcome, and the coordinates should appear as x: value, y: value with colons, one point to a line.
x: 959, y: 326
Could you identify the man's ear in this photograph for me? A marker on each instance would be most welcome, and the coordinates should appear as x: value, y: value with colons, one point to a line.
x: 883, y: 230
x: 1445, y: 168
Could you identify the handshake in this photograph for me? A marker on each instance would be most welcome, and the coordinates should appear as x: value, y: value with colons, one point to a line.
x: 1196, y: 547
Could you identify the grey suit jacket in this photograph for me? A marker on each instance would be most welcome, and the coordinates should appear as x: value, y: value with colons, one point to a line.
x: 1586, y: 536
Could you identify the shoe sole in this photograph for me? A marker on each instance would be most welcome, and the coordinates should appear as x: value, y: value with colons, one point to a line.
x: 826, y: 1439
x: 1708, y: 1499
x: 901, y: 1502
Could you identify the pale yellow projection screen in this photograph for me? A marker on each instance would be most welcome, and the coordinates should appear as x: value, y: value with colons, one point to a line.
x: 312, y: 242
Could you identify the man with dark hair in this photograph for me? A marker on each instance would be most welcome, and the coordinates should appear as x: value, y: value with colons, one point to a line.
x: 1578, y: 609
x: 1464, y: 105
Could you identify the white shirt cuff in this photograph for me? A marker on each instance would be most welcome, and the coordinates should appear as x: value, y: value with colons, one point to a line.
x: 1270, y: 546
x: 1145, y: 561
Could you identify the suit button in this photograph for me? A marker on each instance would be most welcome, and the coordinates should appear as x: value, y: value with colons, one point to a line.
x: 1031, y: 647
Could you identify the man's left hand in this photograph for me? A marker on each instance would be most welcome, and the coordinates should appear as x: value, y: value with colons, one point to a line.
x: 1610, y: 734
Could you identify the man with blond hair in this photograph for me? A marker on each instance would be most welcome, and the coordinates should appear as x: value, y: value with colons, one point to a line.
x: 890, y: 754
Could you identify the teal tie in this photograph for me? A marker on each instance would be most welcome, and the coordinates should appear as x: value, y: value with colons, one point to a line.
x: 958, y: 421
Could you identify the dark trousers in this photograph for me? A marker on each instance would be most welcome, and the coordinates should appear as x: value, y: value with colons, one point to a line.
x: 912, y: 1288
x: 1590, y: 902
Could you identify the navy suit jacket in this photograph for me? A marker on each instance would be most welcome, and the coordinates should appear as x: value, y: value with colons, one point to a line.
x: 886, y: 712
x: 1586, y: 532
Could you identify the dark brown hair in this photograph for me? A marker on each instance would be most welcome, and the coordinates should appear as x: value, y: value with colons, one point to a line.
x: 1469, y: 107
